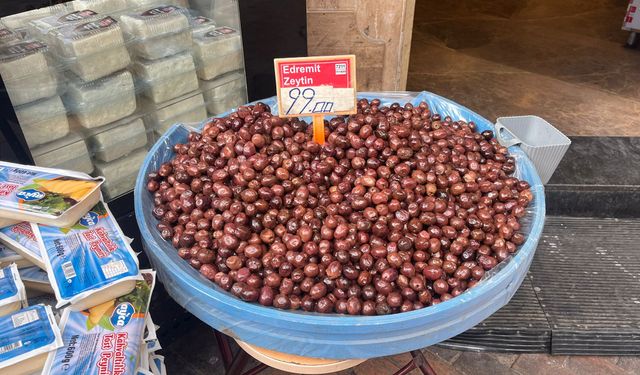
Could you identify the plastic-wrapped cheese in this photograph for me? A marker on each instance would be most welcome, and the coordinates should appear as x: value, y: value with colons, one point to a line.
x: 118, y: 139
x: 67, y: 153
x: 167, y: 78
x: 217, y: 52
x: 43, y: 121
x: 26, y: 72
x: 8, y: 256
x: 19, y: 20
x: 202, y: 24
x: 93, y: 49
x: 102, y: 6
x: 35, y: 279
x: 20, y: 238
x: 8, y: 36
x: 102, y: 101
x: 121, y: 167
x: 44, y: 27
x: 187, y: 108
x: 158, y: 32
x: 224, y: 94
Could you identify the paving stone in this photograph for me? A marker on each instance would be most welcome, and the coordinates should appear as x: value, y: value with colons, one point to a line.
x: 482, y: 364
x: 445, y: 354
x: 594, y: 365
x: 505, y: 359
x: 542, y: 364
x: 631, y: 364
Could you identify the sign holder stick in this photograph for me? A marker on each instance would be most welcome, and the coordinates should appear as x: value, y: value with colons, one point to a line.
x: 318, y: 129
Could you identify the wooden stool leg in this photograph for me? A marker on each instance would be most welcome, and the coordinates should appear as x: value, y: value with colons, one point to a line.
x: 422, y: 363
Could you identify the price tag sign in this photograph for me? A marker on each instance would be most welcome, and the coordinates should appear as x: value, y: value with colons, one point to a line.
x: 316, y: 86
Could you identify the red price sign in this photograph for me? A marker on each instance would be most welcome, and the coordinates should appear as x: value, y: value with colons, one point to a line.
x: 316, y: 86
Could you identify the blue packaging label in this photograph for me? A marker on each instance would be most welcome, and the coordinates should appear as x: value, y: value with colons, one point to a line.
x: 38, y: 190
x: 21, y: 235
x: 8, y: 287
x: 7, y: 254
x: 27, y: 333
x: 34, y: 274
x: 105, y: 339
x: 87, y: 257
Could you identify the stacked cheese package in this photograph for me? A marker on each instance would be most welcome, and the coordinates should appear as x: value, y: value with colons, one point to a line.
x: 94, y: 83
x: 58, y: 238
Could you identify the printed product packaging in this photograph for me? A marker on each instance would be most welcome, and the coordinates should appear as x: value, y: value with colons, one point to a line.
x: 90, y: 262
x: 8, y: 256
x: 26, y: 338
x: 13, y: 296
x: 20, y: 238
x: 35, y: 280
x: 44, y: 195
x: 105, y: 339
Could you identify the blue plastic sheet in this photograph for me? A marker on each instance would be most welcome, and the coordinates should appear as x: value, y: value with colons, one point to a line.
x: 330, y: 335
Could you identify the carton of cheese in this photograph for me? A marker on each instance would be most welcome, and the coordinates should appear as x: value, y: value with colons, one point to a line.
x: 13, y: 296
x: 35, y: 280
x: 89, y: 262
x: 104, y: 339
x: 45, y: 195
x: 20, y: 238
x: 26, y: 338
x: 8, y: 256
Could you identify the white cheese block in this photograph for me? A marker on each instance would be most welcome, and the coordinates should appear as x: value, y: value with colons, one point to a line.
x: 103, y: 101
x: 224, y: 94
x: 115, y: 140
x: 202, y: 24
x: 167, y: 78
x: 188, y: 108
x: 48, y: 25
x: 43, y: 121
x: 102, y: 6
x: 25, y: 71
x: 158, y: 32
x: 93, y: 49
x: 115, y: 188
x: 67, y: 153
x: 19, y: 20
x: 121, y: 167
x: 134, y: 4
x: 217, y: 52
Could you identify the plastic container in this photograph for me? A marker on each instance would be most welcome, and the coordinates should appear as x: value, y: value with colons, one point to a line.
x: 187, y: 108
x: 20, y: 238
x: 45, y: 27
x: 332, y: 336
x: 8, y: 36
x: 100, y: 102
x: 542, y: 142
x: 167, y: 78
x: 25, y: 70
x: 202, y: 24
x: 115, y: 140
x: 8, y: 256
x: 13, y: 296
x: 225, y: 93
x: 110, y: 334
x: 45, y: 195
x: 27, y: 336
x: 102, y: 6
x: 93, y: 49
x: 36, y: 280
x: 69, y: 153
x: 121, y: 173
x: 43, y: 121
x: 90, y: 262
x: 158, y: 32
x: 21, y: 20
x: 217, y: 52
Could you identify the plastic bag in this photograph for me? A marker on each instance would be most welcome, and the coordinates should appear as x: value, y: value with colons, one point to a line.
x: 330, y: 335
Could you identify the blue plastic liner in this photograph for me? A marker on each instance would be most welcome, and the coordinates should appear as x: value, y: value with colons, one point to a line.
x: 331, y: 335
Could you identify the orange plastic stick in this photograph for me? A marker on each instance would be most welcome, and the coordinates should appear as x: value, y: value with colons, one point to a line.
x: 318, y: 129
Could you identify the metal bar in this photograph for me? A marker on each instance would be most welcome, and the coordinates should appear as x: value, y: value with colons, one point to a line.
x: 422, y: 363
x: 410, y: 366
x: 256, y: 370
x: 225, y: 349
x: 238, y: 363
